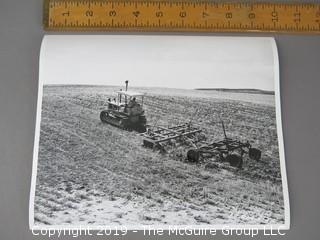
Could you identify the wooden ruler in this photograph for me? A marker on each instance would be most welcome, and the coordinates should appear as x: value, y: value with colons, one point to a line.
x: 183, y: 16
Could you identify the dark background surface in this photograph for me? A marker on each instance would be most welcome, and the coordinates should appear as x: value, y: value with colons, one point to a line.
x: 20, y: 38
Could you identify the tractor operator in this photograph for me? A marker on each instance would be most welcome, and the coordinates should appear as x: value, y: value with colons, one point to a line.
x: 132, y: 102
x: 134, y: 108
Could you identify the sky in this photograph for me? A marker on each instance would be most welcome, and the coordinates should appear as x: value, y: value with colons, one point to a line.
x: 185, y: 62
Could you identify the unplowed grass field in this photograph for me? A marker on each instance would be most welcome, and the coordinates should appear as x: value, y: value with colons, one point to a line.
x: 91, y: 173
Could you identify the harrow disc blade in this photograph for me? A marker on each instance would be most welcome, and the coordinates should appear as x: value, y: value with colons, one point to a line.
x: 235, y: 160
x: 254, y: 154
x: 193, y: 155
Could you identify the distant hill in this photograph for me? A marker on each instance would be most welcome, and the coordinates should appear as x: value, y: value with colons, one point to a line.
x: 238, y: 90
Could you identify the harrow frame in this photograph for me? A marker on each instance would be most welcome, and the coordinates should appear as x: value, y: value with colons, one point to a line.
x: 158, y: 134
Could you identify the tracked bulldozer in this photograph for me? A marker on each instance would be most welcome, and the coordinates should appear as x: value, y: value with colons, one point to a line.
x: 126, y: 111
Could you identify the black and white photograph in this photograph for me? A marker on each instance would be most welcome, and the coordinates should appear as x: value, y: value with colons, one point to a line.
x: 158, y: 131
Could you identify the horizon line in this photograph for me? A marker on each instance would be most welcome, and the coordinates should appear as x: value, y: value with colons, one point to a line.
x: 200, y: 89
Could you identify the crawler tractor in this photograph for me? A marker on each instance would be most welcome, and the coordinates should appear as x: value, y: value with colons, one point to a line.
x: 126, y: 111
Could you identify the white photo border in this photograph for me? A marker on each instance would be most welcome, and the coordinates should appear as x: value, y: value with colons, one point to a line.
x: 285, y: 226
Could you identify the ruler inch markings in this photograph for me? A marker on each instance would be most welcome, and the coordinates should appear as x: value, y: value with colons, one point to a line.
x: 181, y: 15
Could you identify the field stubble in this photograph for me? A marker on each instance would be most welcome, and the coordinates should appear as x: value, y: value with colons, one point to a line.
x: 93, y: 173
